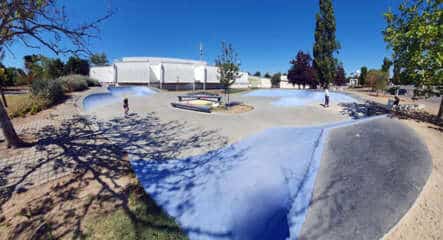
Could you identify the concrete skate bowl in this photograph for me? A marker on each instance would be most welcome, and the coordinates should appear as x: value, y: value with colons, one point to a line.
x: 114, y: 95
x: 291, y: 98
x: 348, y: 180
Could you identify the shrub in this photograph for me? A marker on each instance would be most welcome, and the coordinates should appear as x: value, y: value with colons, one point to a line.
x: 49, y: 90
x: 75, y: 82
x: 92, y: 82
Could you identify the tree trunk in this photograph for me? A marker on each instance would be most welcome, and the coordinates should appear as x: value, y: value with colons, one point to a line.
x: 3, y: 97
x: 440, y: 112
x: 8, y: 129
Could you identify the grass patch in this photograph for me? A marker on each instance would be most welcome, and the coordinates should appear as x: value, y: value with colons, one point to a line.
x: 145, y: 220
x: 22, y: 104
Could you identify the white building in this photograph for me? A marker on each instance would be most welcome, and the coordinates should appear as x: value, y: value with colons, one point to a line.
x: 169, y: 73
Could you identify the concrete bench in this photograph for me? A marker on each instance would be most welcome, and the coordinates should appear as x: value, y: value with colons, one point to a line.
x: 199, y: 97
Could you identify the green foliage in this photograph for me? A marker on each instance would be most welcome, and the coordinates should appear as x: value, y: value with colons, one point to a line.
x: 50, y: 90
x: 257, y: 74
x: 377, y: 79
x: 363, y: 76
x: 147, y: 222
x: 15, y: 76
x: 99, y: 59
x: 340, y: 76
x: 33, y: 67
x: 415, y: 34
x: 267, y: 75
x: 302, y: 71
x: 387, y: 63
x: 325, y: 43
x: 275, y: 80
x: 76, y: 65
x: 53, y: 68
x: 75, y: 82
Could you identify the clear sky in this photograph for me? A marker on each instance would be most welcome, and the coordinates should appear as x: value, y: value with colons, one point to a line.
x: 265, y: 33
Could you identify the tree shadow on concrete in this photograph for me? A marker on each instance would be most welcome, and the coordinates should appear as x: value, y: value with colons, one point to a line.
x: 423, y: 117
x: 95, y: 152
x: 362, y: 110
x: 368, y: 109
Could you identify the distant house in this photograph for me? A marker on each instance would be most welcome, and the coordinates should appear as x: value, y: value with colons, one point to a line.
x: 259, y: 82
x: 353, y: 80
x: 166, y: 73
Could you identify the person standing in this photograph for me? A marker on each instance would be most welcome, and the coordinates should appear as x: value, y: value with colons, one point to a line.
x: 326, y: 97
x: 126, y: 106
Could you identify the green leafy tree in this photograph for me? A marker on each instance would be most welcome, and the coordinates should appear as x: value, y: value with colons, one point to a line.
x: 415, y: 34
x: 340, y: 76
x: 228, y: 66
x: 55, y: 68
x: 302, y: 72
x: 99, y: 59
x: 257, y: 74
x: 33, y: 67
x: 76, y: 65
x: 326, y: 44
x: 275, y: 80
x: 363, y: 76
x: 36, y: 24
x: 377, y: 79
x: 267, y: 75
x: 387, y: 63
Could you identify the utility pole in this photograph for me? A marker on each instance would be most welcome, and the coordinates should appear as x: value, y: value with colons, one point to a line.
x: 201, y: 51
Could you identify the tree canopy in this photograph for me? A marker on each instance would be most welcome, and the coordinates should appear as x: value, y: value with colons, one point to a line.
x: 275, y: 80
x: 326, y: 44
x: 340, y: 76
x: 363, y: 76
x: 302, y: 72
x: 414, y: 32
x: 76, y: 65
x: 99, y: 59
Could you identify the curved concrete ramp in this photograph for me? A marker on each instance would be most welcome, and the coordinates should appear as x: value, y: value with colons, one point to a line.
x: 370, y: 175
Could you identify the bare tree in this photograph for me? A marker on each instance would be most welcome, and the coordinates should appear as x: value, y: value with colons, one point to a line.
x: 36, y: 24
x: 228, y: 66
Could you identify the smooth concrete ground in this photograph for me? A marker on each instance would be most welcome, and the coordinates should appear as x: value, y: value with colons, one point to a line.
x: 233, y: 127
x: 370, y: 175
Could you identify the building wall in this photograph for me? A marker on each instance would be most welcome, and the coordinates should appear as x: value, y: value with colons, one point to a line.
x: 165, y: 73
x: 132, y: 72
x: 242, y: 82
x: 103, y: 74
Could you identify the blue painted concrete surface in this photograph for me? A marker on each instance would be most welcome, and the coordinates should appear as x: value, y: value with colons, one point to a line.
x: 288, y: 98
x: 258, y: 188
x: 114, y: 94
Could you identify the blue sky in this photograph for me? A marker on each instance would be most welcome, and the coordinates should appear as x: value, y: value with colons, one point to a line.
x: 265, y: 33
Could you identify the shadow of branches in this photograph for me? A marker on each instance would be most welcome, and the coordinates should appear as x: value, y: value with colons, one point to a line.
x: 96, y: 153
x: 361, y: 110
x: 368, y: 109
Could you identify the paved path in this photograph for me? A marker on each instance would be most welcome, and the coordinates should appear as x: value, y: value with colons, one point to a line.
x: 28, y: 167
